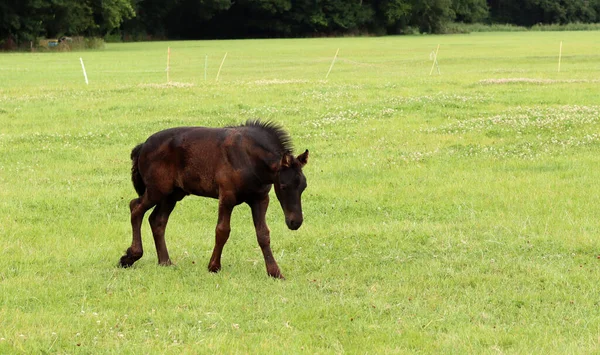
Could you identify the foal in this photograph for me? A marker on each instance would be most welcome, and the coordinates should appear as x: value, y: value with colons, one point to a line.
x: 233, y: 164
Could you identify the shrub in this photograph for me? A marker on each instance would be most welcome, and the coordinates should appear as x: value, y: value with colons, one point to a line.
x: 575, y: 26
x: 458, y: 27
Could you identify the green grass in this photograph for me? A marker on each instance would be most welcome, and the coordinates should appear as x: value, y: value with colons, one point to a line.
x: 445, y: 213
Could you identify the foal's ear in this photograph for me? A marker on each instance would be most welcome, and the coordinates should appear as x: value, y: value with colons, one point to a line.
x: 287, y: 160
x: 303, y: 158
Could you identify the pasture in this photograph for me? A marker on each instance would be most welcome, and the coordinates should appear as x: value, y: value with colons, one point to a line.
x: 453, y: 212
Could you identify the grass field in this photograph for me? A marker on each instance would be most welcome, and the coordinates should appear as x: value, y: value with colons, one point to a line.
x: 454, y: 212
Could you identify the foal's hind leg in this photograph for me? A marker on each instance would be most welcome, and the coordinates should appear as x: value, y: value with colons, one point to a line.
x: 158, y: 222
x: 138, y: 207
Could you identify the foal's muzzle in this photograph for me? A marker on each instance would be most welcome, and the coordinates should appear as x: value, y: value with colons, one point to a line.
x: 293, y: 223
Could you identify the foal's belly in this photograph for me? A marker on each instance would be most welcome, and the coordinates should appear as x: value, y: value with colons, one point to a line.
x: 200, y: 186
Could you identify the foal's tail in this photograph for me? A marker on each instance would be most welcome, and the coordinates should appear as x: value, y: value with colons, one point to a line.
x: 136, y: 178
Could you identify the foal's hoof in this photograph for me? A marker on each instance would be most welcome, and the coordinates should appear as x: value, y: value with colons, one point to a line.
x: 165, y: 263
x: 125, y: 262
x: 128, y: 259
x: 214, y: 268
x: 277, y: 275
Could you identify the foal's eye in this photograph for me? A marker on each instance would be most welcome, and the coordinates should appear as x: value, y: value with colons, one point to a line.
x: 283, y: 187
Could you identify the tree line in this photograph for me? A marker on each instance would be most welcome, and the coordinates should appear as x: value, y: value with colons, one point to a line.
x: 25, y: 20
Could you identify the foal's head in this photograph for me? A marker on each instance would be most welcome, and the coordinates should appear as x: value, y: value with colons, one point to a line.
x: 289, y: 185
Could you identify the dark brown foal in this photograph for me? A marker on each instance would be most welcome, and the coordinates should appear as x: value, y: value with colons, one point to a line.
x: 233, y: 164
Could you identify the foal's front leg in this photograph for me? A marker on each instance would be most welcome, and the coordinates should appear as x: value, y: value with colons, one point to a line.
x: 259, y: 211
x: 158, y: 222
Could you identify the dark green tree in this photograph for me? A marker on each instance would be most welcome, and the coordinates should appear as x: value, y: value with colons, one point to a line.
x: 531, y: 12
x: 470, y: 11
x: 391, y: 16
x: 109, y: 14
x: 431, y: 16
x: 67, y: 17
x: 25, y: 20
x: 20, y: 20
x: 175, y: 18
x: 185, y: 20
x: 257, y: 18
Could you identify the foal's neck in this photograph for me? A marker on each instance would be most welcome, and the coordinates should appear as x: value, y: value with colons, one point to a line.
x: 268, y: 163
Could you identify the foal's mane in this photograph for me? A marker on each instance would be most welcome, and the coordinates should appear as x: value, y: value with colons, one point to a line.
x: 278, y: 135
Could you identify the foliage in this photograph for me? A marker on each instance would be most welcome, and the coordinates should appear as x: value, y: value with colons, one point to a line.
x: 531, y: 12
x: 394, y: 11
x: 478, y: 27
x: 20, y: 19
x: 451, y: 213
x: 24, y: 20
x: 431, y: 16
x: 113, y: 13
x: 576, y: 26
x: 457, y: 27
x: 274, y: 18
x: 182, y: 19
x: 470, y: 11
